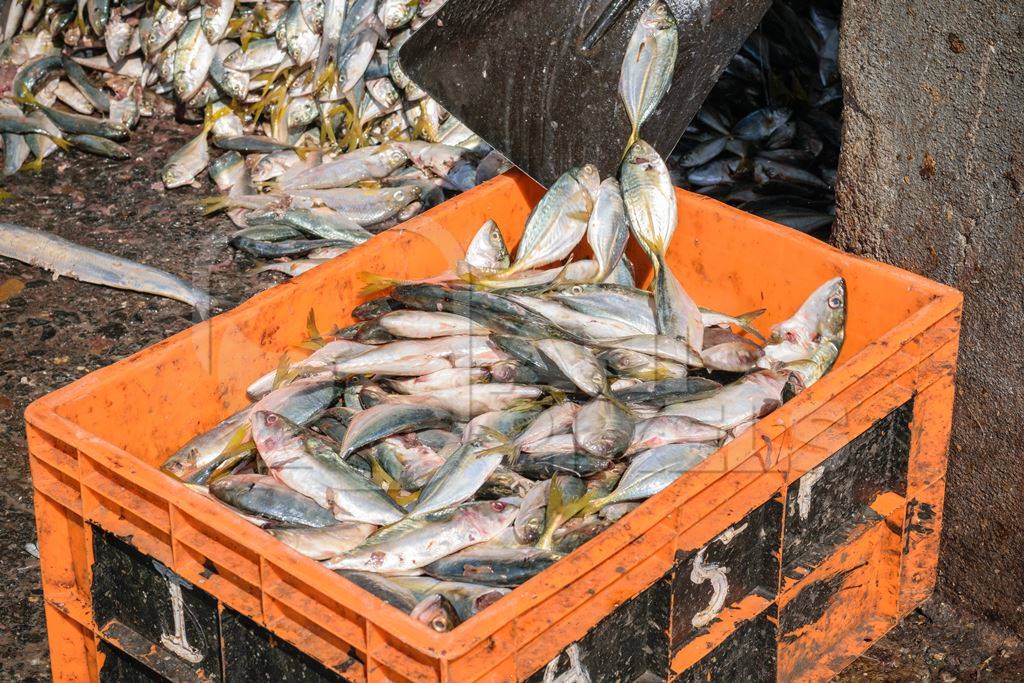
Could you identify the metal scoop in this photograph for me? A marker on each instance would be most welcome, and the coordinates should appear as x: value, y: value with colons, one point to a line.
x: 538, y: 79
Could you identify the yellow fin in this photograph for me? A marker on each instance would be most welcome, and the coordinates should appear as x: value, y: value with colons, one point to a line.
x: 376, y: 283
x: 312, y: 330
x: 33, y: 166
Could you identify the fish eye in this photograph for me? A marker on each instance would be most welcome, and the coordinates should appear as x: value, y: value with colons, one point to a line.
x: 835, y: 301
x: 498, y: 506
x: 577, y: 289
x: 439, y: 625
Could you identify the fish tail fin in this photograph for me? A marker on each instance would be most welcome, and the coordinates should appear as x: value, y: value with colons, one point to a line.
x: 561, y: 277
x: 211, y: 117
x: 634, y: 137
x: 506, y: 446
x: 552, y: 516
x: 60, y: 142
x: 594, y: 504
x: 26, y: 97
x: 262, y: 268
x: 381, y: 477
x: 281, y: 375
x: 312, y: 330
x: 615, y: 401
x: 226, y: 465
x: 744, y: 321
x: 33, y: 166
x: 376, y: 283
x: 528, y: 404
x: 324, y: 75
x: 561, y: 511
x: 304, y: 151
x: 477, y: 276
x: 212, y: 205
x: 240, y: 439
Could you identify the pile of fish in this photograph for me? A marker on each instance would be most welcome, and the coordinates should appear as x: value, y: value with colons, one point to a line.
x: 325, y: 140
x: 469, y: 430
x: 767, y: 138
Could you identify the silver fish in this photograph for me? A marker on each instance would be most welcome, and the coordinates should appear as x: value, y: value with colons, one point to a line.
x: 437, y: 613
x: 386, y: 419
x: 651, y: 205
x: 557, y: 223
x: 607, y: 231
x: 602, y: 428
x: 737, y: 405
x: 266, y: 497
x: 465, y: 403
x: 192, y: 60
x: 429, y: 324
x: 88, y: 265
x: 459, y: 478
x: 366, y: 163
x: 332, y: 352
x: 451, y: 378
x: 487, y: 250
x: 214, y: 18
x: 415, y: 542
x: 308, y: 465
x: 648, y: 65
x: 192, y: 159
x: 558, y: 419
x: 325, y: 542
x: 364, y: 206
x: 576, y: 362
x: 665, y: 429
x: 407, y: 459
x: 653, y: 470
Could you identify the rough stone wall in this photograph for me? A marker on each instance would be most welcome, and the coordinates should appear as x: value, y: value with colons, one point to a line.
x: 931, y: 179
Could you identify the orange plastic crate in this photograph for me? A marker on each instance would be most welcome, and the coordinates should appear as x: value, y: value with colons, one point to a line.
x: 825, y: 515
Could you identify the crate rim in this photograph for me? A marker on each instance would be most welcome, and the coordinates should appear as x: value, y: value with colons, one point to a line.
x: 43, y: 415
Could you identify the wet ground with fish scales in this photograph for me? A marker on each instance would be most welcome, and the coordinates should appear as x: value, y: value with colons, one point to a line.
x: 53, y: 332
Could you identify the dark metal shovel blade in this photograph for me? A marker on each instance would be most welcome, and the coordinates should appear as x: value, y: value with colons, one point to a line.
x: 538, y: 79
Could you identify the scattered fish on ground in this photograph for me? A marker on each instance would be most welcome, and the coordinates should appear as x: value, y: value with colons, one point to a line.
x: 65, y: 258
x: 307, y: 97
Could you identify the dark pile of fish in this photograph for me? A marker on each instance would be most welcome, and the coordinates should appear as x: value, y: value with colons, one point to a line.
x: 469, y: 430
x: 325, y: 140
x: 767, y: 138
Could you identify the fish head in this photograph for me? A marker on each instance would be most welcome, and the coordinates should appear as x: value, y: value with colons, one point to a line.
x: 589, y: 177
x: 822, y: 317
x: 485, y: 600
x: 406, y: 194
x: 495, y: 238
x: 271, y: 431
x: 175, y: 175
x: 397, y: 13
x: 658, y: 17
x: 182, y: 465
x: 490, y: 517
x: 392, y: 156
x: 625, y: 360
x: 437, y: 613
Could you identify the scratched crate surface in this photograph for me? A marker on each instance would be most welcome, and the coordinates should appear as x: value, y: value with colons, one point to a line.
x: 781, y: 557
